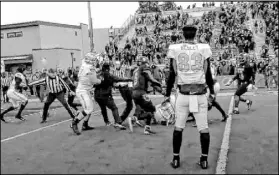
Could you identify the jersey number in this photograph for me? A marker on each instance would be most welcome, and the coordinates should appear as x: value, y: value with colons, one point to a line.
x: 185, y: 63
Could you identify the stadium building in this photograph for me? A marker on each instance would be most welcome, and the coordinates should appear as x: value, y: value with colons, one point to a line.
x: 40, y: 44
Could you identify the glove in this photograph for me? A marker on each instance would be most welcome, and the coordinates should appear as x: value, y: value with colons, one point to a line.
x: 72, y: 93
x: 229, y: 83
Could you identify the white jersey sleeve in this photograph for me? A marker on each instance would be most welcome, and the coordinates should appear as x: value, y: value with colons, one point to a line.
x: 171, y: 52
x: 205, y: 50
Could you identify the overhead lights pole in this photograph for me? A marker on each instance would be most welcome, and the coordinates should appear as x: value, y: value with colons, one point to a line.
x: 90, y: 27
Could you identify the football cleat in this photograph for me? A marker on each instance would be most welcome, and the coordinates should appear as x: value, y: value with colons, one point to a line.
x: 203, y: 163
x: 43, y: 121
x: 235, y: 111
x: 225, y: 118
x: 175, y: 163
x: 148, y: 131
x: 108, y: 124
x: 86, y: 127
x: 117, y: 125
x: 20, y: 118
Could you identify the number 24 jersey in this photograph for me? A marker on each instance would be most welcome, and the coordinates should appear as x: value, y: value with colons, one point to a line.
x: 190, y: 62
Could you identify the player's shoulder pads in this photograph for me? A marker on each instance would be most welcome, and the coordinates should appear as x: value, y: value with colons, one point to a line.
x: 205, y: 50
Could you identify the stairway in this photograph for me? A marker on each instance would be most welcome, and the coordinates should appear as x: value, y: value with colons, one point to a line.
x: 217, y: 29
x: 129, y: 35
x: 259, y: 37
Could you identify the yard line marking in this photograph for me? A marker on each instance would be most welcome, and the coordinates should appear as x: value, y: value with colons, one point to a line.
x: 223, y: 154
x: 49, y: 126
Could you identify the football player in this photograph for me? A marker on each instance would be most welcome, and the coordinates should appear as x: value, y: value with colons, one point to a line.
x: 142, y: 76
x: 87, y: 79
x: 244, y: 77
x: 14, y: 93
x: 190, y: 63
x: 103, y: 95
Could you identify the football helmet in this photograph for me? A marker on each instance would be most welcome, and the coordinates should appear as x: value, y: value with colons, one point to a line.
x: 91, y: 58
x: 165, y: 112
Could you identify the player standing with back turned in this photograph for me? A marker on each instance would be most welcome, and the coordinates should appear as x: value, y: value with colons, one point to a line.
x: 189, y: 61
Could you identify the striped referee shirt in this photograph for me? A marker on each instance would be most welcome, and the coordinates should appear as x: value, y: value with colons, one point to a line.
x: 54, y: 85
x: 119, y: 72
x: 5, y: 82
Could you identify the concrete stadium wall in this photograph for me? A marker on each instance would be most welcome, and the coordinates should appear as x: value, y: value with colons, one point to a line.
x: 55, y: 58
x: 20, y: 45
x: 52, y: 37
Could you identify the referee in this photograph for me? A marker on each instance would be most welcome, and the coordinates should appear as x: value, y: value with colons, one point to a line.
x: 55, y: 86
x: 125, y: 89
x: 5, y: 83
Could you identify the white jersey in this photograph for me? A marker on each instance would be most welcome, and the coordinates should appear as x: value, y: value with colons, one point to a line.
x: 23, y: 81
x: 87, y: 77
x: 190, y: 61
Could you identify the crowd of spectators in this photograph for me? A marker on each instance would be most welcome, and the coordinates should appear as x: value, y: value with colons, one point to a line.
x: 148, y: 6
x: 155, y: 32
x: 268, y: 11
x: 234, y: 29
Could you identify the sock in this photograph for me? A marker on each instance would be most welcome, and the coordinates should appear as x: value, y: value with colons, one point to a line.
x: 87, y: 118
x: 148, y: 118
x: 21, y: 109
x: 8, y: 110
x: 176, y: 142
x: 205, y: 140
x: 81, y: 115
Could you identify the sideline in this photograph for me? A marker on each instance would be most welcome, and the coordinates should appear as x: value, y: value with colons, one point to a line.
x: 223, y: 154
x: 49, y: 126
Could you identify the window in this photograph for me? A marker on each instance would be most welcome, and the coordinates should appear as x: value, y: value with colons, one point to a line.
x: 11, y: 35
x: 19, y: 34
x: 2, y: 36
x: 14, y: 34
x: 76, y: 33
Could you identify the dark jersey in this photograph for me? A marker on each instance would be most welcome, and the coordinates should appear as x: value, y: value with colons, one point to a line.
x: 69, y: 82
x: 244, y: 74
x: 142, y: 76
